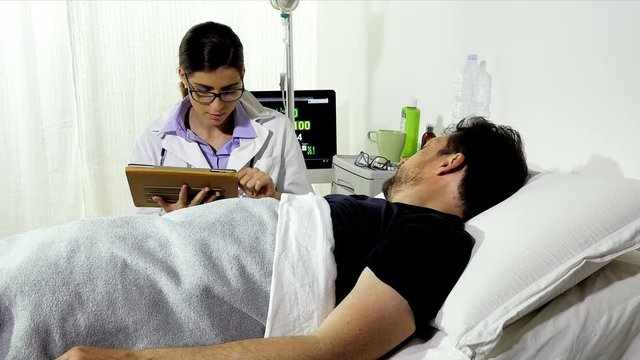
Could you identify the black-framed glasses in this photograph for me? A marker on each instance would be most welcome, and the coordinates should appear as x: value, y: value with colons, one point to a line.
x: 207, y: 97
x: 377, y: 163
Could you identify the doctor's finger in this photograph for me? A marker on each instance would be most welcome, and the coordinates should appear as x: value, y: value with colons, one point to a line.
x: 258, y: 179
x: 163, y: 203
x: 245, y: 175
x: 200, y: 196
x: 255, y: 183
x: 183, y: 199
x: 264, y: 188
x: 214, y: 195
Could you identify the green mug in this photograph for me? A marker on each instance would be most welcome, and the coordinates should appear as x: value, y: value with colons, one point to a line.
x: 390, y: 143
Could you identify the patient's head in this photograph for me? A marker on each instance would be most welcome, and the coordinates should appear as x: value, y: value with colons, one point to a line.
x: 495, y: 163
x: 474, y: 167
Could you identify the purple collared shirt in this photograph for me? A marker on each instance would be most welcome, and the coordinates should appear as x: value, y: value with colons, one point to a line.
x: 242, y: 129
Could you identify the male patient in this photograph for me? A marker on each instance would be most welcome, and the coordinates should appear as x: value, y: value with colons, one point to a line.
x: 397, y: 259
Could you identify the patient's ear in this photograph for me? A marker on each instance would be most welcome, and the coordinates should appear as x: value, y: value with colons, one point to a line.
x: 451, y: 163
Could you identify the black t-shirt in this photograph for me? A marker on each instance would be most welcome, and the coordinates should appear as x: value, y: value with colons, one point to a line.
x: 419, y: 252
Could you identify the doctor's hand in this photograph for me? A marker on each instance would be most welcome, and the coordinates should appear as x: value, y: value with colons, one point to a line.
x: 257, y: 184
x: 203, y: 196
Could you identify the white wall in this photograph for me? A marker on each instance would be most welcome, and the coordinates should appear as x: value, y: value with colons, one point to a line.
x: 565, y: 74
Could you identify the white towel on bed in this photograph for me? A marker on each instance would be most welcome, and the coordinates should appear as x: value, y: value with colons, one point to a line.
x: 304, y: 269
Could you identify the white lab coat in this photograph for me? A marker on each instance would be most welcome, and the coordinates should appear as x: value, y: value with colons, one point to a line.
x: 275, y: 150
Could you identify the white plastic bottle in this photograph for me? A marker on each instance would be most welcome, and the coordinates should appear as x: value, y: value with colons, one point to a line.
x: 463, y: 88
x: 481, y: 92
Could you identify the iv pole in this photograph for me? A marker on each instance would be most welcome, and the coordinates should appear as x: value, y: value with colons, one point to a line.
x: 286, y: 7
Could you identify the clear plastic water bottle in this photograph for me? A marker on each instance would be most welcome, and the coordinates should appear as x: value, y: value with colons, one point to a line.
x: 463, y: 88
x: 481, y: 93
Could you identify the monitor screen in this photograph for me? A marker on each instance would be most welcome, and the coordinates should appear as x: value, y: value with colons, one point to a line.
x: 314, y: 120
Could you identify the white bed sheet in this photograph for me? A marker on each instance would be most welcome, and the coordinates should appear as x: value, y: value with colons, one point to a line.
x: 437, y: 348
x: 633, y: 351
x: 597, y: 319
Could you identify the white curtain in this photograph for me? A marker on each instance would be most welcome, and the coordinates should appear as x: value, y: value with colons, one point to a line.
x: 80, y: 80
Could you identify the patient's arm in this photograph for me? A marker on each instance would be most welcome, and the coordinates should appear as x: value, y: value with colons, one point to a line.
x: 368, y: 323
x: 372, y: 320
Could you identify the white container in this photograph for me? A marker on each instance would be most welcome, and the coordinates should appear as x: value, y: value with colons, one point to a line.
x: 350, y: 179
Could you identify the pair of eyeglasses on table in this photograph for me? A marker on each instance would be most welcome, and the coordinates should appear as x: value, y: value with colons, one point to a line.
x: 376, y: 163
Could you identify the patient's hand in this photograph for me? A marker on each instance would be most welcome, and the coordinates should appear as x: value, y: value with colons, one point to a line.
x: 201, y: 197
x: 92, y: 353
x: 256, y: 183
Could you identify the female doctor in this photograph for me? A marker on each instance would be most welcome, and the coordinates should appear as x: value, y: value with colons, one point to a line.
x: 220, y: 125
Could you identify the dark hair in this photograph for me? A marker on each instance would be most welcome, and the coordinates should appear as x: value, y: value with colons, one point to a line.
x: 209, y: 46
x: 496, y: 165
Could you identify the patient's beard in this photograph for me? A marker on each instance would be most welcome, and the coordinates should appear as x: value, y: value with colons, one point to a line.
x: 401, y: 180
x: 388, y: 185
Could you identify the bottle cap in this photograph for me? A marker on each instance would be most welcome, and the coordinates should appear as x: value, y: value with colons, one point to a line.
x: 472, y: 57
x: 413, y: 102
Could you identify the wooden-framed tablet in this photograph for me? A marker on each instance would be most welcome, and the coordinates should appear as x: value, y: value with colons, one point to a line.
x: 146, y: 181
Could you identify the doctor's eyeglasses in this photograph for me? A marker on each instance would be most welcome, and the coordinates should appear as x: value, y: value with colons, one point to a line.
x: 207, y: 97
x: 377, y: 163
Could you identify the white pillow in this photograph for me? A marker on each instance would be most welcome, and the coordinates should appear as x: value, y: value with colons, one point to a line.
x: 554, y: 232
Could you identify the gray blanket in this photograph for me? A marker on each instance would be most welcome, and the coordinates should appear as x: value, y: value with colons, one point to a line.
x: 192, y: 277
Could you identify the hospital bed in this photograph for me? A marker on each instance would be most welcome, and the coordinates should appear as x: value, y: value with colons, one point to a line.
x: 554, y: 274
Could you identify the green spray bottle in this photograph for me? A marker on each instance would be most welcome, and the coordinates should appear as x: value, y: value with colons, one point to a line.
x: 410, y: 123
